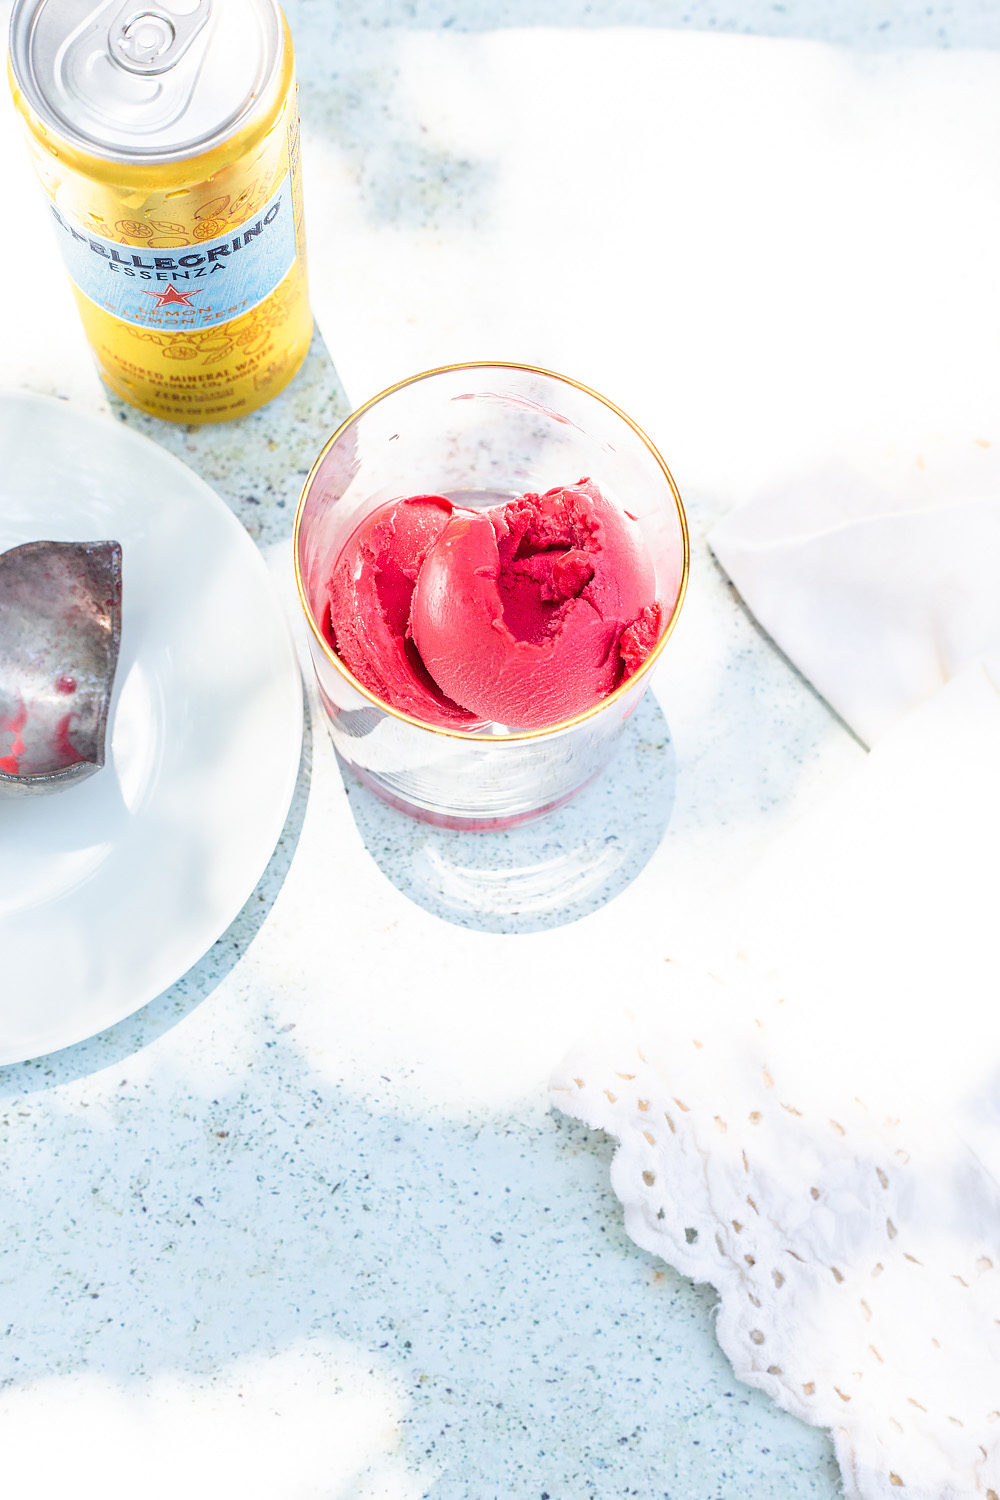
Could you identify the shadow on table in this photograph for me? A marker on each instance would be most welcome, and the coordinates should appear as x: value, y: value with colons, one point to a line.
x: 160, y: 1015
x: 271, y: 1286
x: 541, y: 874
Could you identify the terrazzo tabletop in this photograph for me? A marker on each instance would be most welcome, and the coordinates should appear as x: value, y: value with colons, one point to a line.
x: 308, y: 1225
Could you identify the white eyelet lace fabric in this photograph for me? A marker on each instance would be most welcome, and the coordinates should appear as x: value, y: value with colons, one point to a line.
x: 819, y: 1137
x: 857, y: 1256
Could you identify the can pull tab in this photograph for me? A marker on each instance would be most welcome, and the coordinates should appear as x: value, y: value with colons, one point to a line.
x: 150, y: 39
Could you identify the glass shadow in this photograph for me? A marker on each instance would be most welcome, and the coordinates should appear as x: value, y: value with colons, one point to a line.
x: 545, y: 873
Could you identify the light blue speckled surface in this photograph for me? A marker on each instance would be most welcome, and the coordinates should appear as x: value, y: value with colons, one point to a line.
x: 320, y: 1175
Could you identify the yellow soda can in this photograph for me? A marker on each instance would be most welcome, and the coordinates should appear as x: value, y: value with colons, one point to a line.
x: 167, y: 139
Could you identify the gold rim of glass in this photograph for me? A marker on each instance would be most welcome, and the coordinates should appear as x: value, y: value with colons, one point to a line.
x: 477, y: 736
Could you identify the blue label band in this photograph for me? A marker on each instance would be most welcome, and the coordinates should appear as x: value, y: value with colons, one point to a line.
x: 192, y: 286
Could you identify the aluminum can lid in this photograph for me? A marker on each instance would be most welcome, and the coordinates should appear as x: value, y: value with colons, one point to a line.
x: 135, y: 82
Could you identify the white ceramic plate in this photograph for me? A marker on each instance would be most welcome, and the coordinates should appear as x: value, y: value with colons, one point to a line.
x: 112, y: 889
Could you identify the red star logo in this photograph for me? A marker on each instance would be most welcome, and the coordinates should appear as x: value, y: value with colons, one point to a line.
x: 170, y: 296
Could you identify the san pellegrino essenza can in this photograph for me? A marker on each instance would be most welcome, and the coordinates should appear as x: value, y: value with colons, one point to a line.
x: 166, y: 137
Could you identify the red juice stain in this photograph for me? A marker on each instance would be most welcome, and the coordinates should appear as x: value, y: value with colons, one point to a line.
x: 68, y: 753
x: 65, y: 684
x: 13, y: 726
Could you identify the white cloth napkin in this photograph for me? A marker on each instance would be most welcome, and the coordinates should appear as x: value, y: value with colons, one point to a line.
x: 809, y: 1117
x: 878, y: 575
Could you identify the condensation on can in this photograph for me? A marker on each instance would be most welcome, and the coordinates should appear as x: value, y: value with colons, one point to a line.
x: 167, y: 140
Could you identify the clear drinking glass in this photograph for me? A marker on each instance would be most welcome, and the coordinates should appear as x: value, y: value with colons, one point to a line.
x: 479, y: 434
